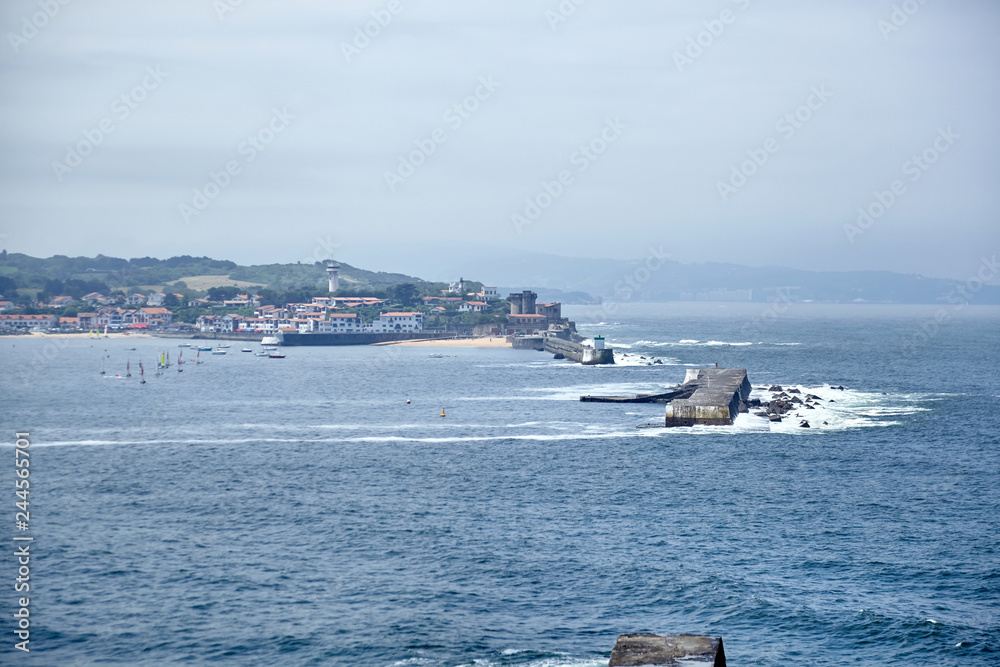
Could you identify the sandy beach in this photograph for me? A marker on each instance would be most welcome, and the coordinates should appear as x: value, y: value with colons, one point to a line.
x: 495, y: 341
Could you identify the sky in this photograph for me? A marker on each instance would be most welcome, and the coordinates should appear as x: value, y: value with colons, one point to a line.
x: 814, y: 135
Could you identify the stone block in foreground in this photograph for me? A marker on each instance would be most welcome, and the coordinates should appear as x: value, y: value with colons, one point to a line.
x: 667, y: 650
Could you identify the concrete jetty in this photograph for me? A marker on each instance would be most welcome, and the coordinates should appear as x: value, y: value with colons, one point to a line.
x: 719, y: 395
x: 667, y: 651
x: 713, y: 396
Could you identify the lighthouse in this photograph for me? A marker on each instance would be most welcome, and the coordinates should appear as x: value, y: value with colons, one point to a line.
x: 333, y: 273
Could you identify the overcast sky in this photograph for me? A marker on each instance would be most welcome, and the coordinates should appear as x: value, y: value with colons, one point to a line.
x: 452, y: 121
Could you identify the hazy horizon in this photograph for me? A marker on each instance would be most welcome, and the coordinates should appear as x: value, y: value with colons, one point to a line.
x: 267, y: 134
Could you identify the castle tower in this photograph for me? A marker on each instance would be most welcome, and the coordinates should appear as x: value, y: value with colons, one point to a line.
x: 528, y: 302
x: 333, y: 273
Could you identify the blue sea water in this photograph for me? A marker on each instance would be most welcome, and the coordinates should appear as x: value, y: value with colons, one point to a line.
x: 252, y: 511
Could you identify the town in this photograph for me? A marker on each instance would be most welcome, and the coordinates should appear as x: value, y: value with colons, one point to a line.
x: 463, y: 308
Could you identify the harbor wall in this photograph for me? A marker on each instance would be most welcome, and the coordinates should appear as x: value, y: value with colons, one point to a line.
x: 719, y: 395
x: 579, y: 353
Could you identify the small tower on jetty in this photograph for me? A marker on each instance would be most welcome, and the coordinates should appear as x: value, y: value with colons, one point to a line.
x: 333, y: 273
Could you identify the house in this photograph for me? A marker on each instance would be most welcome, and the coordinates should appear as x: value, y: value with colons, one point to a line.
x: 69, y: 322
x: 94, y: 297
x: 5, y: 306
x: 61, y: 301
x: 162, y: 314
x: 87, y: 320
x: 306, y: 308
x: 207, y: 323
x: 201, y: 303
x: 324, y: 301
x: 156, y: 299
x: 489, y: 293
x: 357, y: 302
x: 397, y: 322
x: 28, y: 321
x: 229, y: 323
x: 110, y: 317
x: 474, y: 306
x: 345, y: 323
x: 135, y: 300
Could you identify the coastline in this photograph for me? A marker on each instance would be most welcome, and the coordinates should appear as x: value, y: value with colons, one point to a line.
x: 82, y: 336
x: 494, y: 341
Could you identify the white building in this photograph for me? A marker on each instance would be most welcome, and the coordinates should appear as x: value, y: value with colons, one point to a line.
x: 474, y: 306
x: 397, y: 322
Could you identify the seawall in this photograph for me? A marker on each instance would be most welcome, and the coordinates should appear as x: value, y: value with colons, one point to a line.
x: 578, y: 352
x: 719, y: 395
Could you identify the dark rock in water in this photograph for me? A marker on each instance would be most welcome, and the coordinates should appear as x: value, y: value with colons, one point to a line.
x: 657, y: 362
x: 641, y: 357
x: 775, y: 418
x: 832, y: 401
x: 804, y: 424
x: 648, y: 649
x: 777, y: 387
x: 761, y: 414
x: 813, y: 397
x: 559, y: 355
x: 753, y: 403
x: 794, y: 391
x: 809, y: 407
x: 797, y: 400
x: 841, y: 388
x: 826, y: 423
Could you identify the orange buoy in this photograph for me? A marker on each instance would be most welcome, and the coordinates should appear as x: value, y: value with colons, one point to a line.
x: 442, y: 412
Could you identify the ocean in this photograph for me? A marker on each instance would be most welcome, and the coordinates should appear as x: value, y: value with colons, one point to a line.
x: 300, y: 511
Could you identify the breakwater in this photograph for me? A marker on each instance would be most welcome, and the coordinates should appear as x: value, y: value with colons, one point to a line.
x: 718, y: 396
x: 577, y: 351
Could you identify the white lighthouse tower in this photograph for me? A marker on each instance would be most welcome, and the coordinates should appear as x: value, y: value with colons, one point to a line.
x: 333, y: 273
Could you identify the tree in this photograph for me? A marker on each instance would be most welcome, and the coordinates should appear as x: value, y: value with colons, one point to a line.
x: 223, y: 293
x: 171, y: 301
x: 404, y: 293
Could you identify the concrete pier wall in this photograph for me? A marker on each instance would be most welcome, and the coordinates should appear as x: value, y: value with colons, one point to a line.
x: 720, y: 394
x: 667, y: 651
x: 578, y: 352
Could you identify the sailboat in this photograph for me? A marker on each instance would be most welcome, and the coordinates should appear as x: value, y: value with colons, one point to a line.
x: 102, y: 362
x: 197, y: 358
x: 142, y: 376
x: 180, y: 360
x: 128, y: 369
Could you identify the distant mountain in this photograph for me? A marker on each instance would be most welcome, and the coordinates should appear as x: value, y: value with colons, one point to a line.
x: 656, y: 279
x: 553, y: 277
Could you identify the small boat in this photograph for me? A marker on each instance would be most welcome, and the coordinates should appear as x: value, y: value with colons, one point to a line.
x: 184, y: 345
x: 218, y: 351
x: 276, y: 355
x: 246, y: 349
x: 225, y: 347
x: 205, y: 349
